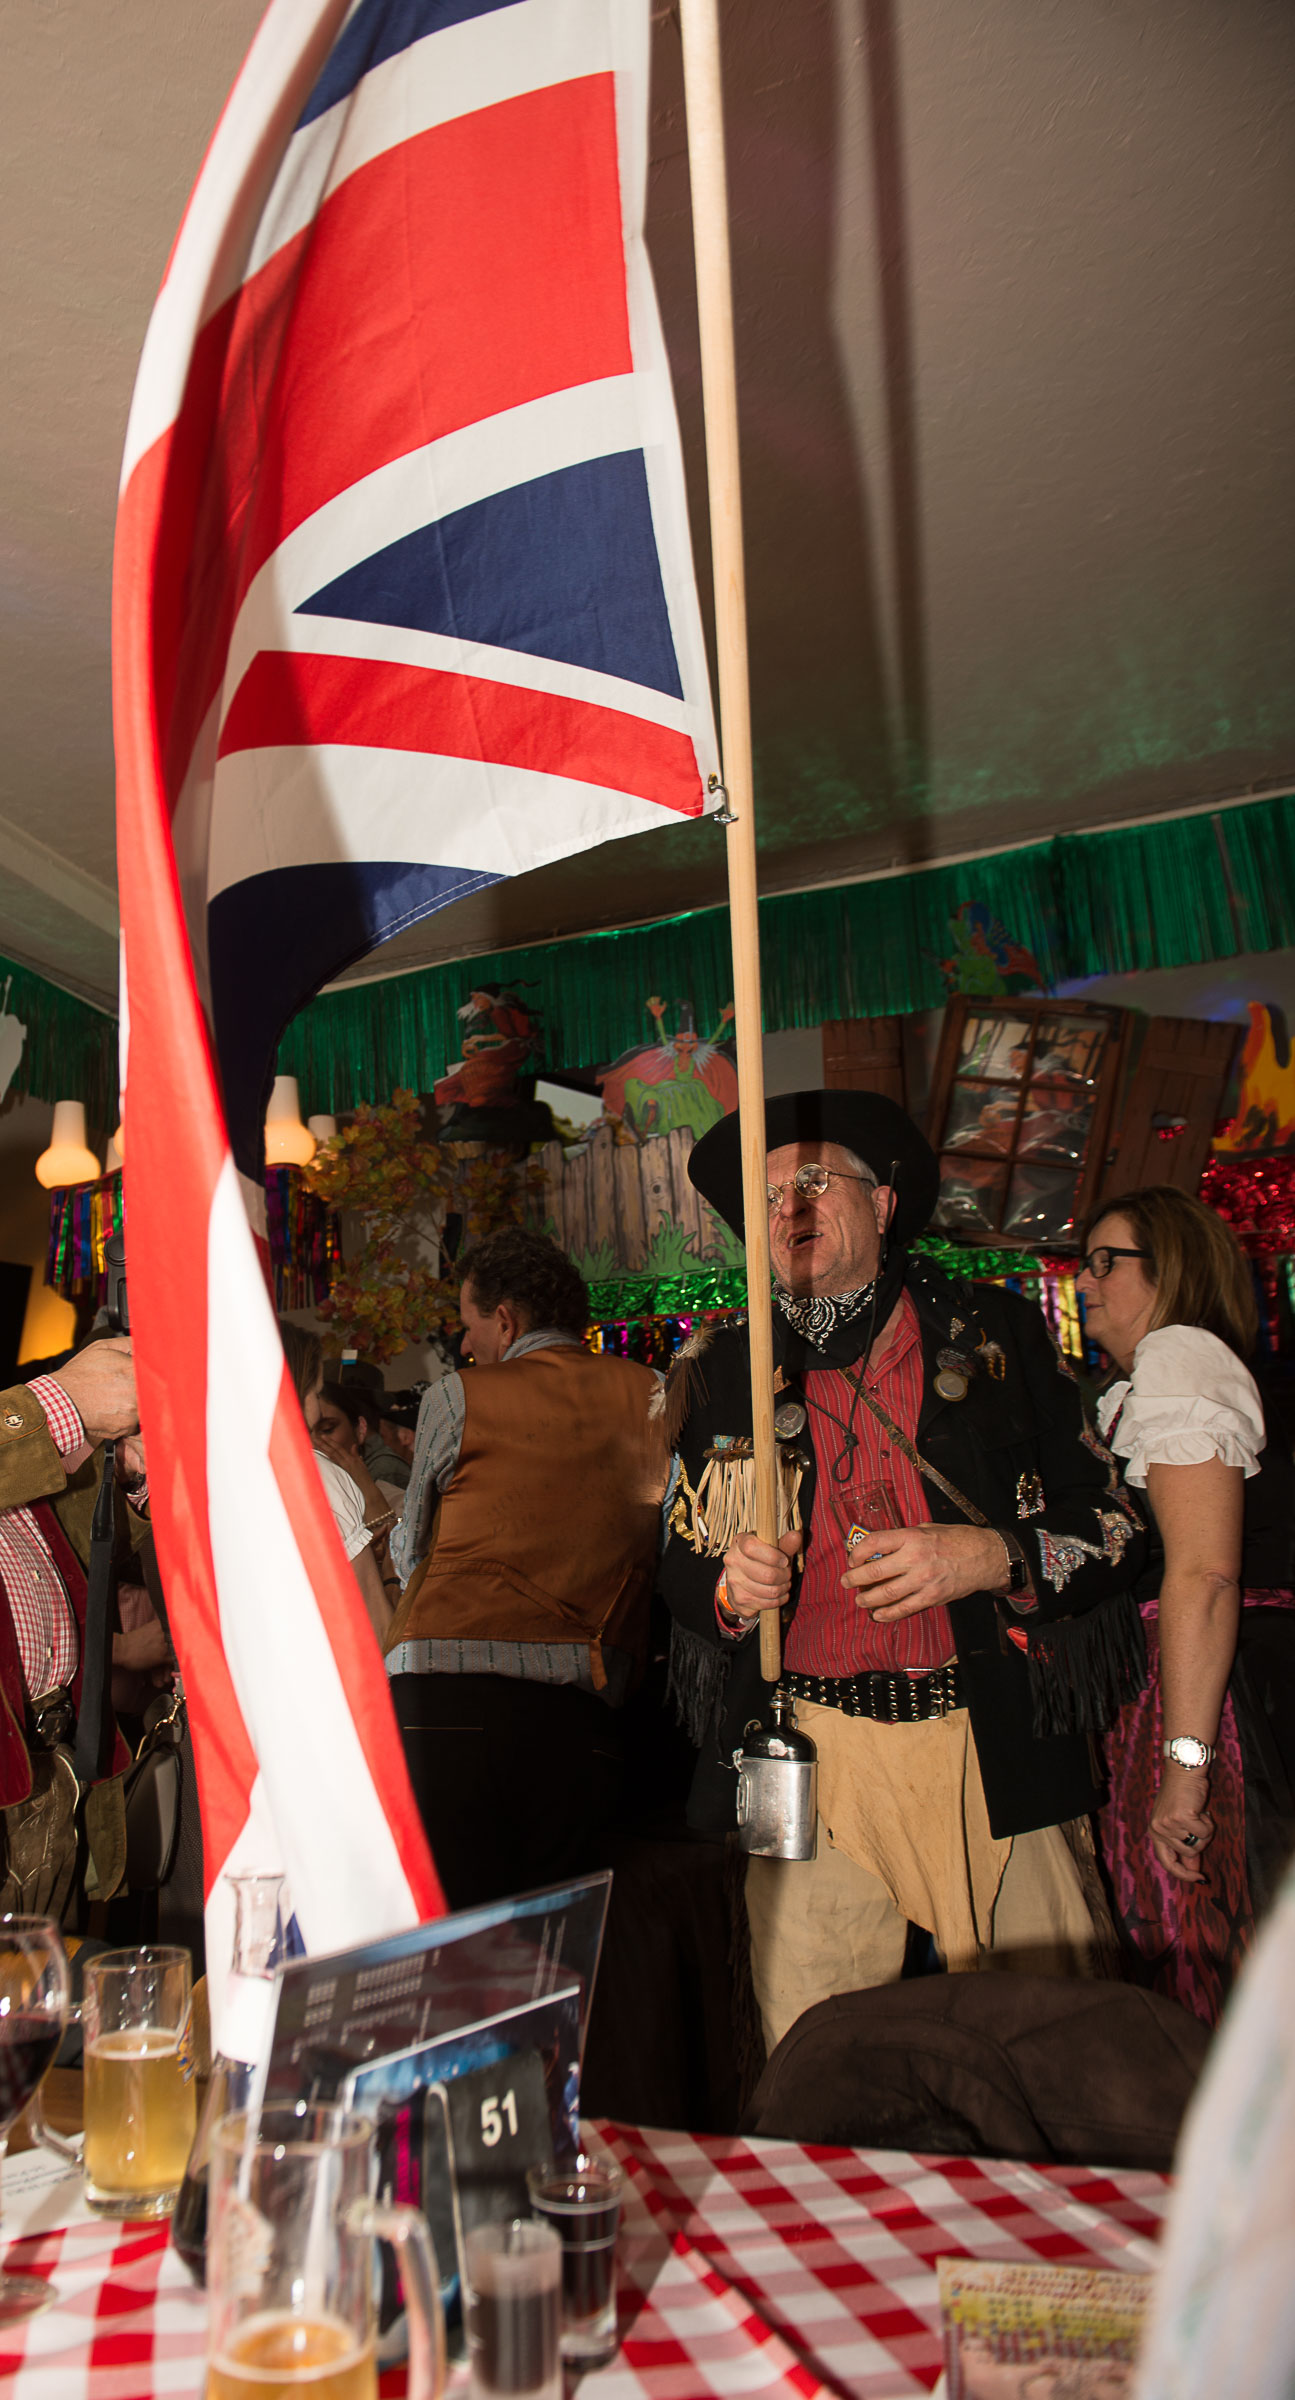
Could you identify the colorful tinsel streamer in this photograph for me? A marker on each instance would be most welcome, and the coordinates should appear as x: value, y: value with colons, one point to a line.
x: 651, y: 1340
x: 637, y: 1317
x: 305, y: 1240
x: 633, y: 1298
x: 82, y: 1217
x: 1256, y: 1197
x: 640, y: 1310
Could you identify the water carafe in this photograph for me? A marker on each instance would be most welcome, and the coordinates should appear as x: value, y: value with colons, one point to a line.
x: 245, y: 2028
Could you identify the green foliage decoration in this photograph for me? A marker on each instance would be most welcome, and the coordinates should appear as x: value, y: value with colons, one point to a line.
x: 387, y: 1170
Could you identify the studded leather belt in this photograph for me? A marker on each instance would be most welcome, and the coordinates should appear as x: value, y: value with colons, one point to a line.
x: 896, y: 1699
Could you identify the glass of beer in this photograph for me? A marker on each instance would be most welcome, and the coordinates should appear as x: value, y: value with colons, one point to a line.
x: 136, y: 2018
x: 290, y: 2282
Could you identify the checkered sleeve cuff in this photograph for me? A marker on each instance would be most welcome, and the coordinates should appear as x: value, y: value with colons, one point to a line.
x: 61, y: 1416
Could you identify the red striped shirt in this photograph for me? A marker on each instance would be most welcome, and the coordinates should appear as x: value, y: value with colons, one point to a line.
x: 830, y: 1633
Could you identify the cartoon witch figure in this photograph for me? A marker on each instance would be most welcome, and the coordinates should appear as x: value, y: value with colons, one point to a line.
x: 676, y: 1080
x: 490, y: 1094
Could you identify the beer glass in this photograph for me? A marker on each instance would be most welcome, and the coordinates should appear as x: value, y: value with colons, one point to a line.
x: 290, y: 2233
x: 139, y: 2089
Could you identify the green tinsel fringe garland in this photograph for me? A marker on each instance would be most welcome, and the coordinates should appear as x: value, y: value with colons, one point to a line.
x: 71, y: 1048
x: 1164, y: 895
x: 633, y: 1296
x: 1160, y: 895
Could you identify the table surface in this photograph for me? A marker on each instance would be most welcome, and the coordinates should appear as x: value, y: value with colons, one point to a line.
x: 747, y: 2268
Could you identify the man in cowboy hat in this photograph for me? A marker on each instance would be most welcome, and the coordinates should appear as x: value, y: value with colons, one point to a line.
x: 954, y: 1576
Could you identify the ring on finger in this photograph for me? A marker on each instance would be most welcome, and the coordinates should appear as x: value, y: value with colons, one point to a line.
x: 1191, y: 1841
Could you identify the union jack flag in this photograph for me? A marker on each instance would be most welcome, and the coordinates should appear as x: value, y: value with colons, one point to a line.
x: 403, y: 604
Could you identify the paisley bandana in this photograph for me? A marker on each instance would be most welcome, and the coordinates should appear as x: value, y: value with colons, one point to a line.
x: 816, y: 1315
x: 833, y: 1328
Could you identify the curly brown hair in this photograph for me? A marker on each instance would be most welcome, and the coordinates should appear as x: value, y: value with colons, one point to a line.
x: 1200, y: 1271
x: 529, y: 1272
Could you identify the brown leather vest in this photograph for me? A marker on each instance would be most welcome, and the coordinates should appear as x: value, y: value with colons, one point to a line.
x: 549, y: 1530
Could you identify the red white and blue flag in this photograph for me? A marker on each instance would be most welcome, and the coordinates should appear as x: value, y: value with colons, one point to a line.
x: 403, y: 604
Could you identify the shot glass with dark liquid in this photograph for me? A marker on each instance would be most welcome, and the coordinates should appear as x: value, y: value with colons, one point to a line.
x: 582, y: 2203
x: 513, y: 2310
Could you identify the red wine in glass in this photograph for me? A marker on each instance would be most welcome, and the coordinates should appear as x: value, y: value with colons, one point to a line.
x: 34, y: 1995
x: 27, y: 2046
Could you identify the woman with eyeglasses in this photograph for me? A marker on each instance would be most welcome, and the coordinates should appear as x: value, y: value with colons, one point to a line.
x: 1199, y: 1791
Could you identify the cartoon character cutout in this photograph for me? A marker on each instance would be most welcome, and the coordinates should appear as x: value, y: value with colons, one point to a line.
x: 676, y: 1080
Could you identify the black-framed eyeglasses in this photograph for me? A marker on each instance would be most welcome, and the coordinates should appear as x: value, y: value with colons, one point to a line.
x: 1098, y: 1262
x: 812, y: 1181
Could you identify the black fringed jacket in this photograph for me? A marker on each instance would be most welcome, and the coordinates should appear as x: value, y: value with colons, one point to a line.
x: 1018, y: 1447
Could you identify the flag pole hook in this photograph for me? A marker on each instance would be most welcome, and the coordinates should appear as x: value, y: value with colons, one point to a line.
x: 699, y: 25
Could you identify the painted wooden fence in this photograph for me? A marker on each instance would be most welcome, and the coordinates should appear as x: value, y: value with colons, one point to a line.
x: 629, y: 1204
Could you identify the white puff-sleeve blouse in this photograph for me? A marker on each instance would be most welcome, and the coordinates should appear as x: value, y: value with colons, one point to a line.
x: 1188, y: 1399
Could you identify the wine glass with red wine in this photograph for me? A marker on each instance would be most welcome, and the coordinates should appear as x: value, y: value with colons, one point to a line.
x: 34, y: 1996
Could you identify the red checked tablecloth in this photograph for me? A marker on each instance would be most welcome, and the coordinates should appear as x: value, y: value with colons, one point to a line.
x: 747, y: 2268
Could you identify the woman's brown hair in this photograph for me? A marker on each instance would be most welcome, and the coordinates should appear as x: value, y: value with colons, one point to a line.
x: 305, y: 1356
x: 1200, y: 1271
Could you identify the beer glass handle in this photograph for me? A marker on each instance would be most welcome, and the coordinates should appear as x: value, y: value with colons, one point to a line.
x: 407, y: 2233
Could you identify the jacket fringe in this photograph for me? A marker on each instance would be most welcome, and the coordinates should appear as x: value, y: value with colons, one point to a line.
x: 725, y: 1500
x: 1083, y: 1669
x: 696, y: 1683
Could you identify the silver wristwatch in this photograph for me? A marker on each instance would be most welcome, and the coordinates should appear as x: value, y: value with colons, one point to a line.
x: 1186, y: 1751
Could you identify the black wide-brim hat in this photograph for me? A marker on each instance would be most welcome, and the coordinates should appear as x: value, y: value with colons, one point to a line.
x: 875, y: 1128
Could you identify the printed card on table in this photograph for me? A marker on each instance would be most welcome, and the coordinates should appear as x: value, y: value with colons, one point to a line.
x: 1025, y: 2332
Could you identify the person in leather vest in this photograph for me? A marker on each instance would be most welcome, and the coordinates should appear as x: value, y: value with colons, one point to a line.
x: 526, y: 1549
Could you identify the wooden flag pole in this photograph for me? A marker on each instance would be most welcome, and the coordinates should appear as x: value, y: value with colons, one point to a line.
x: 699, y: 24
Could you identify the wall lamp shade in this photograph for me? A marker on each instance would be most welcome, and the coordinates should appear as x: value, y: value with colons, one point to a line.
x: 323, y: 1128
x: 287, y: 1142
x: 69, y: 1158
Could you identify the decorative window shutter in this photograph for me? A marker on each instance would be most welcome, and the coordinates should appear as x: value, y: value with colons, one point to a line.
x: 1181, y: 1073
x: 865, y: 1054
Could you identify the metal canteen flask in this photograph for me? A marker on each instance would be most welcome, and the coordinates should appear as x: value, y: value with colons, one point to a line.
x: 777, y: 1786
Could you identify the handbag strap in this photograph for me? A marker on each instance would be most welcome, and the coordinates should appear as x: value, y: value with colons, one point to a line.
x: 912, y: 1454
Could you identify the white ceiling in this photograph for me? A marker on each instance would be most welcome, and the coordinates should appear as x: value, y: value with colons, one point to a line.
x: 1017, y: 352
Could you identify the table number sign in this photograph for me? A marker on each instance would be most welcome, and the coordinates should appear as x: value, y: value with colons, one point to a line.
x: 463, y: 2041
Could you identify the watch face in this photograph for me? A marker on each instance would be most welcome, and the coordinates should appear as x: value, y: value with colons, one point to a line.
x: 1186, y: 1751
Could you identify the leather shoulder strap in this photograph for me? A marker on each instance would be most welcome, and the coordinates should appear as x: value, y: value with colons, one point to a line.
x: 914, y: 1455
